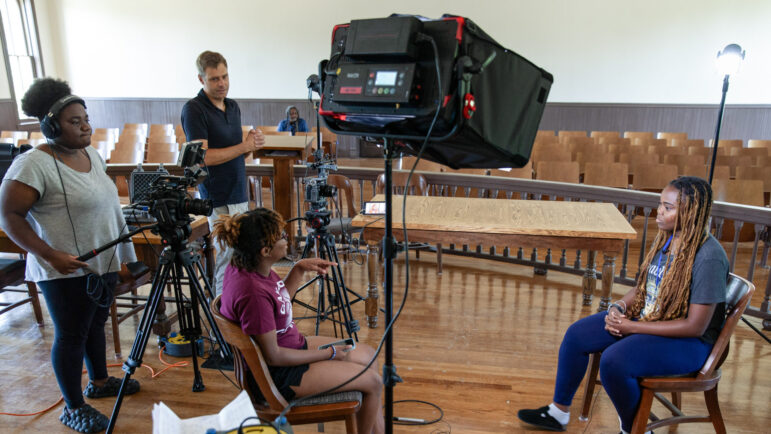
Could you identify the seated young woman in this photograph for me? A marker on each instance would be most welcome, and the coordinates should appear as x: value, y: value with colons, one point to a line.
x: 666, y: 325
x: 256, y: 297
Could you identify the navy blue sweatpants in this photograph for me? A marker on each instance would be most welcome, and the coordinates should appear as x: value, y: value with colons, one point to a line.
x: 623, y: 361
x: 78, y: 334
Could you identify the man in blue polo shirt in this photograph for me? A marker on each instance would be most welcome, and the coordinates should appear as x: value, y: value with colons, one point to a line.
x: 216, y: 120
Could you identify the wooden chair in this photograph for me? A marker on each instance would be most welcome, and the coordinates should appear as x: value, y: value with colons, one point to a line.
x: 140, y: 129
x: 127, y: 154
x: 638, y: 134
x: 702, y: 171
x: 166, y: 157
x: 596, y: 135
x: 418, y: 187
x: 569, y: 133
x: 636, y: 157
x: 652, y: 177
x: 760, y: 144
x: 727, y: 143
x: 588, y: 146
x: 760, y: 173
x: 559, y: 171
x: 12, y: 274
x: 753, y: 153
x: 584, y: 157
x: 687, y: 143
x: 607, y: 174
x: 733, y: 162
x: 645, y: 141
x: 161, y: 130
x: 549, y: 152
x: 738, y: 295
x: 681, y: 161
x: 249, y: 361
x: 14, y: 135
x: 168, y: 144
x: 668, y: 150
x: 743, y: 191
x: 603, y: 140
x: 546, y: 139
x: 343, y: 210
x: 571, y: 141
x: 130, y: 278
x: 36, y: 135
x: 668, y: 136
x: 544, y: 133
x: 700, y: 150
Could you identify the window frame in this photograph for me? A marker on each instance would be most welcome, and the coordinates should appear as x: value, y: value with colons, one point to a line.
x: 32, y: 42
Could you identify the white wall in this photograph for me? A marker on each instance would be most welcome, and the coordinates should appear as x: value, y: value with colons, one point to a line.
x: 651, y: 51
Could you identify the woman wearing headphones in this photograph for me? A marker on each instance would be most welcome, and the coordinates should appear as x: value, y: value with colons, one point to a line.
x: 57, y: 203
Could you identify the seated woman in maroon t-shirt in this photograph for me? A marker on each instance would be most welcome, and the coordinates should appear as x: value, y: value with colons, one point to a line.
x: 255, y: 296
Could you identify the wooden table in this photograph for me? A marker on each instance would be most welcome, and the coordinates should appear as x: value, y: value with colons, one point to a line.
x: 148, y: 246
x: 284, y: 151
x: 529, y: 223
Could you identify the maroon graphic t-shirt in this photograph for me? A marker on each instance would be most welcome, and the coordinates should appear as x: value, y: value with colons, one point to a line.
x: 260, y: 304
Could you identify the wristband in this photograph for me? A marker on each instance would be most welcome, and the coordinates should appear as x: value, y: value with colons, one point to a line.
x: 334, y: 352
x: 621, y: 309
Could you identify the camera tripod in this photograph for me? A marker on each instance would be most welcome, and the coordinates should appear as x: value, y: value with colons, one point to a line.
x: 331, y: 288
x: 177, y: 260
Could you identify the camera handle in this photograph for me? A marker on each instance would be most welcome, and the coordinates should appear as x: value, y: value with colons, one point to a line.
x: 120, y: 239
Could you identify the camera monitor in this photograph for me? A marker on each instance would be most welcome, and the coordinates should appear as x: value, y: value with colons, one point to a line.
x: 381, y: 81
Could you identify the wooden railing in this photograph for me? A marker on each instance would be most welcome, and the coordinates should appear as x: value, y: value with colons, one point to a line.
x: 633, y: 204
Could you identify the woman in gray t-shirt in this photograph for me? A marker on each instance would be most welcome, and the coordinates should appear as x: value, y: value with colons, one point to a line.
x: 57, y: 203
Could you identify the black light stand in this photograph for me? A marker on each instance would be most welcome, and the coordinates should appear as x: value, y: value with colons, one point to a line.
x: 717, y: 128
x: 728, y: 60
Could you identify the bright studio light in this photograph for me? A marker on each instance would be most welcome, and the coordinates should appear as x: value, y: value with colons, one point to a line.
x: 730, y: 59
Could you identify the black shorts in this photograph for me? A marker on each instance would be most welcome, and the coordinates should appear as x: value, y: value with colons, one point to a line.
x: 283, y: 377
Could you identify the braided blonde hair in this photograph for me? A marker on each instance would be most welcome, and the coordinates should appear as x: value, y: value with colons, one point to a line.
x: 694, y: 203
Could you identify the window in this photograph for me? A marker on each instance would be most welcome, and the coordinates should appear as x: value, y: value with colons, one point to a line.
x: 22, y: 49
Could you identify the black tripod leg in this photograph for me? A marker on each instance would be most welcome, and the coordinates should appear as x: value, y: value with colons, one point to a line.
x: 197, y: 291
x: 351, y: 326
x: 134, y: 359
x: 189, y: 321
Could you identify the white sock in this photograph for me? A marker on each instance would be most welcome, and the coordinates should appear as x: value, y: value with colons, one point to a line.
x: 562, y: 417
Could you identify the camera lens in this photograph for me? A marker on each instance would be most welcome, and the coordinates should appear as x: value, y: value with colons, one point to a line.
x: 197, y: 206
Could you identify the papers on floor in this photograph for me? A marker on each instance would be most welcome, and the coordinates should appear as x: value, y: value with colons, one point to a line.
x: 165, y: 421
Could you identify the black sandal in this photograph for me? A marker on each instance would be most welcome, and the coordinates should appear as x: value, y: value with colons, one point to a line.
x: 84, y: 419
x: 110, y: 388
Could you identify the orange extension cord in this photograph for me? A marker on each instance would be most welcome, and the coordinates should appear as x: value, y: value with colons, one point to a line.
x: 152, y: 375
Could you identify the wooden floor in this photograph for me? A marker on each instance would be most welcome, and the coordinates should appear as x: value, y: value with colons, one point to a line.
x: 480, y: 341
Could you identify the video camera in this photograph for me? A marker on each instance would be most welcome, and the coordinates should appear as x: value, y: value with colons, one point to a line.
x: 317, y: 190
x: 168, y: 199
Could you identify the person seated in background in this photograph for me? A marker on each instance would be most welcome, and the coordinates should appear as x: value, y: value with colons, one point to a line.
x: 293, y: 122
x: 261, y: 302
x: 664, y: 326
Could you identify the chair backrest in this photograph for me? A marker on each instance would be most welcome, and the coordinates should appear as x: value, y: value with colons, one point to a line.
x: 760, y: 144
x: 670, y: 136
x: 761, y: 173
x: 653, y: 177
x: 636, y: 134
x: 560, y: 171
x: 607, y: 174
x: 744, y: 191
x: 524, y: 172
x: 246, y: 349
x: 738, y: 295
x: 608, y: 134
x: 343, y: 185
x: 544, y: 133
x: 574, y: 133
x: 418, y: 184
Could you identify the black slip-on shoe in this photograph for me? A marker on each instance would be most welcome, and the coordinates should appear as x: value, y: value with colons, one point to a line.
x: 541, y: 418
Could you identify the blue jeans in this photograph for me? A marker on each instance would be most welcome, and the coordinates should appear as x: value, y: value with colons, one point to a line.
x: 623, y: 361
x: 78, y: 334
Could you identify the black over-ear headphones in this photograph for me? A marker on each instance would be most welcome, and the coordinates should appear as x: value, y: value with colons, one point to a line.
x: 49, y: 125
